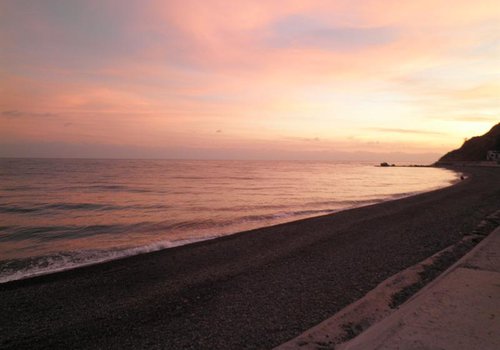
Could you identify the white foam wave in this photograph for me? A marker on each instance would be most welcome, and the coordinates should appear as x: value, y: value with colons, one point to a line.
x: 13, y: 270
x: 17, y: 269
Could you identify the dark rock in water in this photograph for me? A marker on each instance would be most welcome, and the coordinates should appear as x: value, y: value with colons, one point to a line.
x: 384, y: 164
x: 476, y: 148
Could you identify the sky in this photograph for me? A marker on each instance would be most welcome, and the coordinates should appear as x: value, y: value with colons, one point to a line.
x: 385, y: 80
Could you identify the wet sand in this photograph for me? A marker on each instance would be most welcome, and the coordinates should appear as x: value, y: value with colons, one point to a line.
x: 252, y: 290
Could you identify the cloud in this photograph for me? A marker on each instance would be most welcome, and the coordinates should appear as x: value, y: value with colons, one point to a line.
x: 406, y: 131
x: 302, y: 139
x: 170, y: 73
x: 303, y: 32
x: 472, y: 118
x: 21, y: 114
x: 12, y: 114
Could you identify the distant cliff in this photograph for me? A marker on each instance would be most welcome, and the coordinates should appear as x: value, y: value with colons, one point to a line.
x: 476, y: 148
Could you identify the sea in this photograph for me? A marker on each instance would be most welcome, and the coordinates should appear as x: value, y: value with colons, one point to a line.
x: 58, y: 214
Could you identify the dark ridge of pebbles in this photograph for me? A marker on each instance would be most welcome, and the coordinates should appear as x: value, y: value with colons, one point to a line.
x: 252, y: 290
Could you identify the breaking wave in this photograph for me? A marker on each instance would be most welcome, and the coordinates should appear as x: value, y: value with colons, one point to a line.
x: 61, y: 214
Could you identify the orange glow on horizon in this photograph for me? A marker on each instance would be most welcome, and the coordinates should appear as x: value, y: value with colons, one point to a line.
x: 319, y: 79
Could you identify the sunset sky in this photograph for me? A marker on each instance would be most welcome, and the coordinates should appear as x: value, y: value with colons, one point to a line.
x: 215, y: 79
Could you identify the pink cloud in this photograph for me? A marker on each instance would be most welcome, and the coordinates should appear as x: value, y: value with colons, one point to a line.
x: 158, y: 73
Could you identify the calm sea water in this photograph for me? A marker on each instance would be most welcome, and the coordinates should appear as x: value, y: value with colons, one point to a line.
x: 58, y: 214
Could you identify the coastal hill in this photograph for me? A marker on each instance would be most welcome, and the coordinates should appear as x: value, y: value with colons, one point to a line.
x: 476, y: 148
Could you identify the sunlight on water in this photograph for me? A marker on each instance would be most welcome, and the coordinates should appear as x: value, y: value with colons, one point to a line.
x: 57, y: 214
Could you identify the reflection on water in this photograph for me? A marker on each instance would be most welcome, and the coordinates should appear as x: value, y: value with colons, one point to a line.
x: 76, y: 211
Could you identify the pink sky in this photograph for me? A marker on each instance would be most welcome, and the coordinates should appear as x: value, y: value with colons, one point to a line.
x: 340, y: 80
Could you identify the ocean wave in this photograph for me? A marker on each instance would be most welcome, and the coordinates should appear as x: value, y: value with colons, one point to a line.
x: 112, y: 203
x: 51, y: 233
x: 19, y: 188
x: 16, y: 269
x: 286, y: 214
x: 343, y: 203
x: 17, y: 209
x: 62, y: 206
x: 108, y: 188
x: 47, y: 233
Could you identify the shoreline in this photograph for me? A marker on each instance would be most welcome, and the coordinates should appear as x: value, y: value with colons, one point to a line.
x: 166, y: 245
x: 253, y: 289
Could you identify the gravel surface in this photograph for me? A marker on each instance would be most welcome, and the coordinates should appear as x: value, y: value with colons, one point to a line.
x: 252, y: 290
